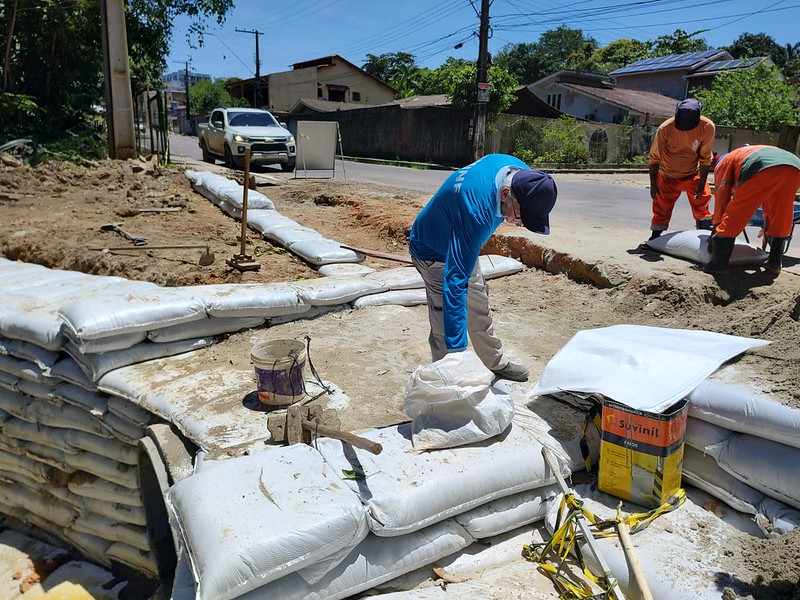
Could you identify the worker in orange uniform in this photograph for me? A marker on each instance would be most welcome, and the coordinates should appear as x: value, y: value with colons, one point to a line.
x: 745, y: 179
x: 680, y: 158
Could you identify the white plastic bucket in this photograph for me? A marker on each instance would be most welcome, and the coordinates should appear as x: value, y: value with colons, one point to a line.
x: 280, y: 371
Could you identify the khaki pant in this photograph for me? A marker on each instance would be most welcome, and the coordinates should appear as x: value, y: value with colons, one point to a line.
x: 479, y: 318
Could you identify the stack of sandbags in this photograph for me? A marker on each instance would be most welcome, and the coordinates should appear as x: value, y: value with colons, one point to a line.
x: 305, y: 242
x: 68, y: 458
x: 744, y: 449
x: 295, y: 523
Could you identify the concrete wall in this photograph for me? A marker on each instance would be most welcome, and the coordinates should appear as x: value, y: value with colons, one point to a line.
x: 286, y: 88
x: 430, y: 135
x: 730, y: 138
x: 668, y: 83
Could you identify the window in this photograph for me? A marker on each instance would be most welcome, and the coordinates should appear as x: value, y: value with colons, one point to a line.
x: 319, y: 91
x: 356, y: 96
x: 554, y: 100
x: 337, y: 93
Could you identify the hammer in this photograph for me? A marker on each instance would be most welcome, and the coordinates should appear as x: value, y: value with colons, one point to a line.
x: 138, y: 240
x: 300, y: 423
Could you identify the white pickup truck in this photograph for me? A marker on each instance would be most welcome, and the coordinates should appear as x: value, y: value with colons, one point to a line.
x: 230, y: 130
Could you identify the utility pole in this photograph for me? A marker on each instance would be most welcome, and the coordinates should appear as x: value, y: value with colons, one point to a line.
x: 482, y: 87
x: 257, y: 86
x: 186, y: 87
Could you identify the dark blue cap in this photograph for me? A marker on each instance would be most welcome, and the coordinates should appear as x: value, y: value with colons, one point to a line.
x: 687, y: 114
x: 536, y: 193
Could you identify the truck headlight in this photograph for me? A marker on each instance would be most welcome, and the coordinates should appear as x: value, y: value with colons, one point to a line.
x: 240, y: 138
x: 290, y: 139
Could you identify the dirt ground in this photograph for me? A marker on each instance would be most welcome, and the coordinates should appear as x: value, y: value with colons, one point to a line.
x: 52, y: 215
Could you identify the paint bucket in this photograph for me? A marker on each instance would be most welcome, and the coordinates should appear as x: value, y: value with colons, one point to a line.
x: 280, y: 371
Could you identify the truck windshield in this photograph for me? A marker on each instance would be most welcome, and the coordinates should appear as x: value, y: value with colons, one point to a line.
x: 251, y: 119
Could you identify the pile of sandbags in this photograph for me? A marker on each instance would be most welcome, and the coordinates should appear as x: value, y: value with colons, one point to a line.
x: 298, y: 522
x: 744, y: 449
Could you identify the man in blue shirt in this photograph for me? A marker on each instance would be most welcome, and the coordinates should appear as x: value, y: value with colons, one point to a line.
x: 447, y: 237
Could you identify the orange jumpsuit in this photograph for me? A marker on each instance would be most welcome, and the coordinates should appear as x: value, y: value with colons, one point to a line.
x: 679, y: 155
x: 752, y: 176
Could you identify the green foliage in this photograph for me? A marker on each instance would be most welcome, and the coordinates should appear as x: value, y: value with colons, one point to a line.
x: 442, y: 79
x: 527, y: 141
x: 563, y: 142
x: 755, y: 99
x: 749, y: 45
x: 20, y: 117
x: 555, y: 50
x: 463, y: 90
x: 679, y: 42
x: 390, y: 66
x: 205, y: 96
x: 616, y: 55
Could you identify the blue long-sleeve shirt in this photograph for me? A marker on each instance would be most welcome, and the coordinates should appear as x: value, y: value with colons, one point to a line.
x: 454, y: 226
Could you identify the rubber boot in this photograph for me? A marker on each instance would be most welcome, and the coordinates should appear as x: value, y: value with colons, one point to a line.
x: 703, y: 224
x: 654, y: 234
x: 721, y: 250
x: 775, y: 260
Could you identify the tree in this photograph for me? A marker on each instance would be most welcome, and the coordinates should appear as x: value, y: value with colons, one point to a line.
x: 442, y: 79
x: 619, y: 53
x: 208, y: 95
x: 463, y: 89
x: 390, y: 66
x: 530, y: 62
x: 755, y: 98
x: 53, y: 53
x: 679, y: 42
x: 749, y: 45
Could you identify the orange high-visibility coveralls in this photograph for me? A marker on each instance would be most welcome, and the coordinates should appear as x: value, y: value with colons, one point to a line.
x: 679, y: 155
x: 752, y: 176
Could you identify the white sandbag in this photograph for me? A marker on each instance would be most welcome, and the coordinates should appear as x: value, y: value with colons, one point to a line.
x: 327, y: 291
x: 134, y: 414
x: 133, y: 515
x: 253, y: 519
x: 203, y: 328
x: 65, y: 416
x: 140, y: 560
x: 68, y: 370
x: 705, y: 436
x: 506, y: 514
x: 287, y: 235
x: 622, y: 360
x: 94, y: 403
x: 124, y: 429
x: 374, y: 561
x: 38, y: 390
x: 91, y: 486
x: 50, y: 456
x: 406, y: 491
x: 8, y: 381
x: 43, y: 506
x: 496, y: 265
x: 399, y: 278
x: 106, y: 344
x: 265, y: 220
x: 97, y: 365
x: 323, y: 251
x: 739, y: 409
x: 773, y: 517
x: 337, y: 269
x: 693, y: 245
x: 23, y: 369
x: 393, y: 298
x: 107, y: 529
x: 770, y: 467
x: 91, y: 546
x: 28, y: 467
x: 113, y: 449
x: 110, y: 470
x: 15, y: 404
x: 311, y: 313
x: 256, y: 201
x: 44, y: 359
x: 250, y: 300
x: 41, y: 434
x: 110, y: 314
x: 450, y: 403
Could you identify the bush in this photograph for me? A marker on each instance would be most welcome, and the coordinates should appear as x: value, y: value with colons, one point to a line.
x: 563, y: 142
x: 20, y: 117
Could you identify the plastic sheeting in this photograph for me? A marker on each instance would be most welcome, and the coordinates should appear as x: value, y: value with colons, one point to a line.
x: 693, y: 245
x: 646, y: 368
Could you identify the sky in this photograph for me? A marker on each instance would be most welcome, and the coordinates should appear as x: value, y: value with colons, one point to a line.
x: 299, y: 30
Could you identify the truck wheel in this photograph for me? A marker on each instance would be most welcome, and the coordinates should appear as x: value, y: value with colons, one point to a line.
x: 206, y: 155
x: 287, y: 167
x: 229, y: 162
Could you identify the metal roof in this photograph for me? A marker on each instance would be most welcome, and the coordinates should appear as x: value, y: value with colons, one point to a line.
x: 659, y: 63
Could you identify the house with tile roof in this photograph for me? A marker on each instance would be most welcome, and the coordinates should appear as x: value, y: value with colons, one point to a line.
x: 594, y: 97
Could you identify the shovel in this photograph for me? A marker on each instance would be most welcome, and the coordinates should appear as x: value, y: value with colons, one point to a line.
x: 138, y: 240
x: 206, y: 258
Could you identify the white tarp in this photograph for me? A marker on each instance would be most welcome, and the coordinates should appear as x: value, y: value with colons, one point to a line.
x: 646, y: 368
